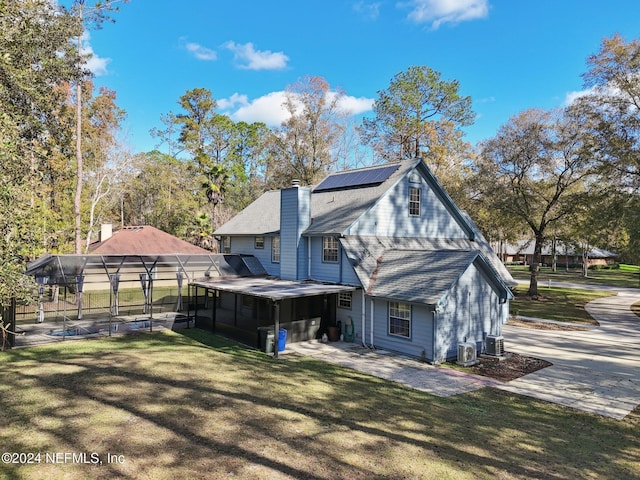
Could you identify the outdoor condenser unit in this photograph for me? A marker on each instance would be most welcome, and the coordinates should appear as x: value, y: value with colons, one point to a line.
x: 467, y: 354
x: 495, y: 345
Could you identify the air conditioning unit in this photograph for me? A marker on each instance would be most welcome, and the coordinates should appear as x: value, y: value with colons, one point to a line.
x: 467, y: 354
x: 495, y: 345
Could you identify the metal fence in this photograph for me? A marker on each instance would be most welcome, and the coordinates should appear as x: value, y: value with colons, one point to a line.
x: 97, y: 304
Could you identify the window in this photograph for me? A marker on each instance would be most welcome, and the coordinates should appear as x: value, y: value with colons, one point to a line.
x: 275, y: 249
x: 400, y: 319
x: 258, y: 242
x: 226, y: 245
x: 414, y: 201
x: 329, y: 249
x: 344, y: 300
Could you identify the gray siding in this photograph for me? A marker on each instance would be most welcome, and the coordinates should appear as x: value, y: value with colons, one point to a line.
x: 323, y: 271
x: 418, y: 345
x: 246, y: 245
x: 354, y: 313
x: 295, y: 215
x: 471, y: 311
x: 390, y: 216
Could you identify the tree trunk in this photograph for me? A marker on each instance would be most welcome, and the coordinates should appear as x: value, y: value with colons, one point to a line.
x: 535, y: 265
x: 77, y: 204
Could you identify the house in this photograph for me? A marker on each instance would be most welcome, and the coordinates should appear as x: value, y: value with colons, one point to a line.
x: 384, y: 252
x: 566, y: 254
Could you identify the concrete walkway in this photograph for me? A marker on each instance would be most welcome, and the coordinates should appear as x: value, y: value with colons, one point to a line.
x: 596, y: 370
x: 440, y: 381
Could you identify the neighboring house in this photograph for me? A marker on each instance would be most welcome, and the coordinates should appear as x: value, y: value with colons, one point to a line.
x: 390, y: 253
x: 522, y: 252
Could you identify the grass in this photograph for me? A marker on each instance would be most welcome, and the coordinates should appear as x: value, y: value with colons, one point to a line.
x: 198, y: 406
x: 560, y: 304
x: 627, y: 276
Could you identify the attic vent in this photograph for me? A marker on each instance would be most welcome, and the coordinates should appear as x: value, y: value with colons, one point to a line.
x: 414, y: 178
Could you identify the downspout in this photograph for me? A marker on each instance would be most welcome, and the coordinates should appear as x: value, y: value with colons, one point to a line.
x: 309, y: 258
x: 371, y: 325
x: 433, y: 337
x: 340, y: 262
x: 364, y: 325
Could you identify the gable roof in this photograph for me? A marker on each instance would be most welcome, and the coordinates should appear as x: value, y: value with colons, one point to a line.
x: 334, y: 210
x: 363, y: 252
x: 418, y: 276
x: 261, y: 217
x: 144, y: 240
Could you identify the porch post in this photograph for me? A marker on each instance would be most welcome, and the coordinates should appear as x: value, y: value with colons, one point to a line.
x: 235, y: 309
x: 215, y: 310
x: 276, y: 328
x: 195, y: 307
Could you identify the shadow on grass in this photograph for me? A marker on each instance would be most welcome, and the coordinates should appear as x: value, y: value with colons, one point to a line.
x: 195, y: 405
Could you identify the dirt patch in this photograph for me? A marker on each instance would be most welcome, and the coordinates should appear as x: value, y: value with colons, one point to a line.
x: 511, y: 367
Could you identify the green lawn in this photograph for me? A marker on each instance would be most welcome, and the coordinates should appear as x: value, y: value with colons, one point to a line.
x: 197, y: 406
x: 560, y: 304
x: 624, y: 277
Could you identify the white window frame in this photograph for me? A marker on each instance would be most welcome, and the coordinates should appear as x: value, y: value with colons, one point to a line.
x: 225, y: 244
x: 275, y: 249
x: 399, y: 319
x: 330, y: 250
x: 345, y: 299
x: 258, y: 243
x: 414, y: 201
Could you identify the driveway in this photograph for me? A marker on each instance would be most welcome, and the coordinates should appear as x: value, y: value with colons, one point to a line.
x: 596, y: 370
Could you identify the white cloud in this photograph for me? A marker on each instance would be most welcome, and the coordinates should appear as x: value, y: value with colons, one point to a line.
x: 446, y: 11
x: 251, y: 59
x: 368, y: 11
x: 232, y: 101
x: 267, y: 109
x: 200, y: 52
x: 270, y: 110
x: 354, y: 106
x: 571, y: 97
x: 97, y: 65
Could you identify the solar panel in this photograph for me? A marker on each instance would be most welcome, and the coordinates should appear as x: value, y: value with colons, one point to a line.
x: 356, y: 178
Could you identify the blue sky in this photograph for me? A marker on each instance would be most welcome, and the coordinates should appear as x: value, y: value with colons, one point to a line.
x: 508, y: 55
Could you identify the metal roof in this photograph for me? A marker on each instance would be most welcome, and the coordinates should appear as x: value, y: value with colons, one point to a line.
x: 272, y: 288
x: 63, y: 269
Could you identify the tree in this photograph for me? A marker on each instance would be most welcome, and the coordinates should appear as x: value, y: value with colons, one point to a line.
x: 105, y: 159
x: 159, y: 190
x: 537, y: 170
x: 612, y: 106
x: 36, y: 62
x: 86, y: 15
x: 304, y: 143
x: 416, y: 114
